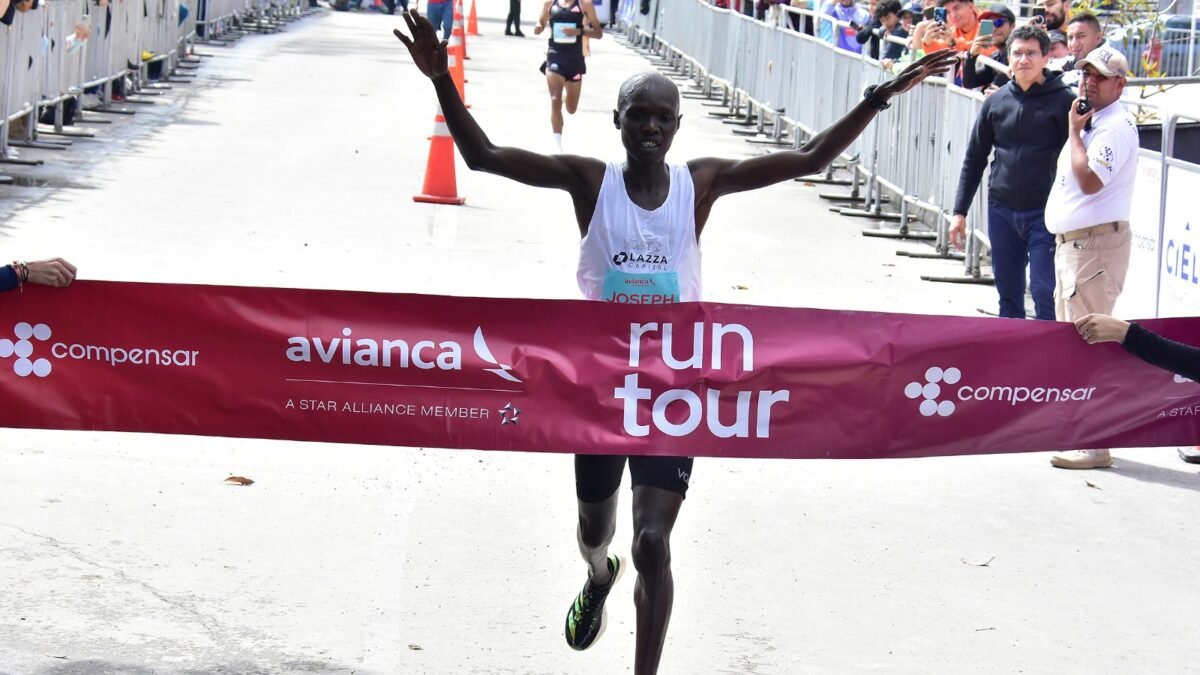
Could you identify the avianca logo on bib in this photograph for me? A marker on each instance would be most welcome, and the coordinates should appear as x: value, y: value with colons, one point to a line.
x: 393, y: 353
x: 931, y: 391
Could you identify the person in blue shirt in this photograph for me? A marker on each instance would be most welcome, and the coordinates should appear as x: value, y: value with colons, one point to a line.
x: 848, y: 12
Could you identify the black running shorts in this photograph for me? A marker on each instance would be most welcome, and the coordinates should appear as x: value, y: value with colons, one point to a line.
x: 597, y: 477
x: 571, y: 69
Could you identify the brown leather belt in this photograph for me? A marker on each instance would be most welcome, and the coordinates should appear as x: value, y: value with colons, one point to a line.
x: 1102, y: 228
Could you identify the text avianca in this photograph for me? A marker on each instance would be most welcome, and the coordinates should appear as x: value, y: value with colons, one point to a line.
x: 424, y: 354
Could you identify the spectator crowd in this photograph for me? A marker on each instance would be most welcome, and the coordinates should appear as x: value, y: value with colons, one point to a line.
x: 1061, y: 148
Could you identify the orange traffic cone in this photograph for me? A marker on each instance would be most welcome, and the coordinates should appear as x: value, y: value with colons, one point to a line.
x: 440, y: 185
x: 457, y: 28
x: 473, y: 20
x: 455, y: 64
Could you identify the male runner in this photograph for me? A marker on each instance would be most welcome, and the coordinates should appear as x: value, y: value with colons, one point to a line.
x: 648, y: 206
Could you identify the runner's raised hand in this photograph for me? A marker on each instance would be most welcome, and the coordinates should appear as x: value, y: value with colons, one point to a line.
x: 427, y: 51
x: 936, y: 63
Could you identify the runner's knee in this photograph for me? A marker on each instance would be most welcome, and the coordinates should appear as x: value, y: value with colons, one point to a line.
x: 651, y: 551
x: 596, y: 532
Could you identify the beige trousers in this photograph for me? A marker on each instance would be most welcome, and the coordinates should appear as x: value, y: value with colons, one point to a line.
x: 1090, y: 273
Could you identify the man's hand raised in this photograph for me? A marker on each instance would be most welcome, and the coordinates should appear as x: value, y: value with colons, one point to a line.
x: 936, y: 63
x: 427, y: 51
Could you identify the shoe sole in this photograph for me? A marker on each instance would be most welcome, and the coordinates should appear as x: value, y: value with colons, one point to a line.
x: 1072, y: 465
x: 604, y: 612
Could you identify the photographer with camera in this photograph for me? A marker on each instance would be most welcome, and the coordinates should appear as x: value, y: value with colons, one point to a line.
x: 959, y: 22
x: 1089, y: 205
x: 1025, y: 123
x: 1051, y: 14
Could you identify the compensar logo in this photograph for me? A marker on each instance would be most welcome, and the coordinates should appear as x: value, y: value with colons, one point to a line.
x: 35, y: 354
x: 943, y: 392
x: 931, y: 390
x: 23, y: 349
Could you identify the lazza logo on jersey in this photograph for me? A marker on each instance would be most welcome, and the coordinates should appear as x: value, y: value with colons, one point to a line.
x: 640, y: 254
x: 931, y: 391
x: 28, y: 335
x: 644, y: 258
x: 393, y: 353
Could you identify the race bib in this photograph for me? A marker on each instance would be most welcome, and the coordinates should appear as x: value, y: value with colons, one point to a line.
x: 558, y: 33
x: 654, y: 288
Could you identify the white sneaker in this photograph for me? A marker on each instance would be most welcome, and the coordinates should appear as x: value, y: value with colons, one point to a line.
x: 1082, y: 459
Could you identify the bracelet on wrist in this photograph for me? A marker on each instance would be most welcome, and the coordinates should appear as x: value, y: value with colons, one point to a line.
x: 873, y: 99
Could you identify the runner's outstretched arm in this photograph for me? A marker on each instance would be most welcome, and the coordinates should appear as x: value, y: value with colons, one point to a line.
x: 717, y: 177
x: 565, y: 172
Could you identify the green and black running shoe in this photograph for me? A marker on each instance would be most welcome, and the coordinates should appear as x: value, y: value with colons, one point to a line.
x: 586, y: 618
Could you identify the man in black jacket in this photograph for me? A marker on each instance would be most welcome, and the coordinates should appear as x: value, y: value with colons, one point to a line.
x: 1025, y: 122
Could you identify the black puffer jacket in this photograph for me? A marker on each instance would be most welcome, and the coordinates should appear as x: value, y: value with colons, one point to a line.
x: 1027, y: 130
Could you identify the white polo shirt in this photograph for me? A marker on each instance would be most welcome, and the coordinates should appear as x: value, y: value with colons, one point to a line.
x: 1112, y: 149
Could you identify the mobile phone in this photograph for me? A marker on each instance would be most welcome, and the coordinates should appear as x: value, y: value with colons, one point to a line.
x: 939, y: 14
x: 986, y: 27
x: 927, y: 13
x: 1038, y: 15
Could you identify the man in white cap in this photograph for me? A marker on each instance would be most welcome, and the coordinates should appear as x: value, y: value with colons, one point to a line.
x: 1089, y: 204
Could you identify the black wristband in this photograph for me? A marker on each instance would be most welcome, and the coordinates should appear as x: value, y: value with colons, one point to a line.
x: 873, y: 100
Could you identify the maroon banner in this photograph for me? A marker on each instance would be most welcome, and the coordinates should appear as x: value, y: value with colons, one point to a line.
x: 699, y: 379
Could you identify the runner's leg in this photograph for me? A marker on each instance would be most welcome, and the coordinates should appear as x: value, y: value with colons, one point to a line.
x: 654, y: 513
x: 572, y: 97
x: 597, y: 482
x: 555, y: 83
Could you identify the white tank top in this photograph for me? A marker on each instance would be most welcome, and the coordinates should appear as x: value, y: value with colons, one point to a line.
x: 634, y: 256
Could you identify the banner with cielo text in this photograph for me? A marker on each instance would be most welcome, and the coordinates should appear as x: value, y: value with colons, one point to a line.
x: 699, y: 379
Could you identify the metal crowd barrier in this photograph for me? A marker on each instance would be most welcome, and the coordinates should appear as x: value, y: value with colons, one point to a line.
x: 914, y: 151
x: 45, y: 61
x: 23, y: 68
